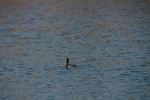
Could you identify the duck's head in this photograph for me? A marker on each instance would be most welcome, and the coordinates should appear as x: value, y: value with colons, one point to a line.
x: 67, y: 61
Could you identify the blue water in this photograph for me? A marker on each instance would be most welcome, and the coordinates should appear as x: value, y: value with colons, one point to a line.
x: 108, y: 40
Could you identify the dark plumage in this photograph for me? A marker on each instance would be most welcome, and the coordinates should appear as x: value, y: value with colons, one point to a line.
x: 69, y: 65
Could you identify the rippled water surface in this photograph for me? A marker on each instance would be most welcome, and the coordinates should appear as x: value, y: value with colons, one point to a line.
x: 108, y: 40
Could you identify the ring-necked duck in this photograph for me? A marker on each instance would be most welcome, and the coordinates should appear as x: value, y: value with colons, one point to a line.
x: 69, y: 65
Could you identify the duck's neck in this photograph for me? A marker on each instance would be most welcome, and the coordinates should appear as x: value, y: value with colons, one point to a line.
x: 67, y: 62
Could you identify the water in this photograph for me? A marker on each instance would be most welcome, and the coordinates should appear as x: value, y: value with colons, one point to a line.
x: 108, y: 40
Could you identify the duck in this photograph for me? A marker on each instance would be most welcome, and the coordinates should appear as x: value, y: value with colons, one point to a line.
x: 69, y: 65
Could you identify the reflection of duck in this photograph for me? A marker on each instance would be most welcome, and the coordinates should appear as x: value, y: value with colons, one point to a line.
x: 69, y: 65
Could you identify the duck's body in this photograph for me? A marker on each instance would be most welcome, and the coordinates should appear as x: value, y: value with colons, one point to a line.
x: 69, y: 65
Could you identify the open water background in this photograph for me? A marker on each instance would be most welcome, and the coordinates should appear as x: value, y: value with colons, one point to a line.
x: 108, y: 40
